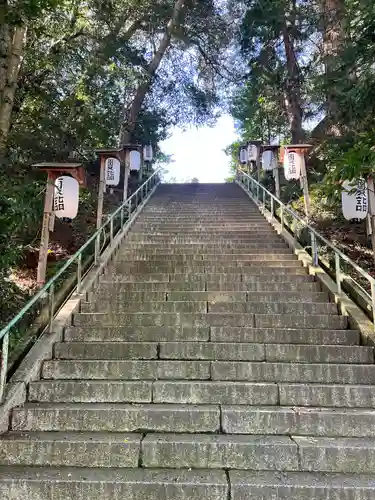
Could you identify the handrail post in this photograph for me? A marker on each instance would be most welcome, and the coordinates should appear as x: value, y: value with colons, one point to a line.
x: 97, y: 247
x: 111, y: 231
x: 4, y: 364
x: 272, y: 208
x: 314, y: 250
x: 373, y: 300
x: 338, y: 272
x: 282, y: 217
x: 51, y: 306
x: 79, y: 273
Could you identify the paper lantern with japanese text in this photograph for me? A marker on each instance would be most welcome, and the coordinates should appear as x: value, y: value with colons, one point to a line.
x: 112, y: 171
x: 292, y: 165
x: 135, y: 160
x: 354, y: 198
x: 148, y: 153
x: 252, y: 152
x: 269, y: 161
x: 66, y: 197
x: 243, y: 156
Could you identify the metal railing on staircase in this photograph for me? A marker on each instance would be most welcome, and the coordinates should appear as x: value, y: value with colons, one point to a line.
x: 348, y: 276
x: 48, y: 299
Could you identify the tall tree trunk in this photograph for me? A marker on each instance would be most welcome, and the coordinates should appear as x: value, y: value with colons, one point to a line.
x: 332, y: 27
x: 131, y: 114
x: 8, y: 82
x: 292, y: 91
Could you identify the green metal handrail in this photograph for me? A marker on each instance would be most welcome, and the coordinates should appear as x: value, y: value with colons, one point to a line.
x: 259, y: 194
x: 129, y: 206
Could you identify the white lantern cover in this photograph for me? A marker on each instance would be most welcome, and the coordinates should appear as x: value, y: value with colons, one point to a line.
x: 268, y: 160
x: 135, y: 160
x: 112, y: 171
x: 355, y: 203
x: 252, y: 152
x: 243, y: 156
x: 148, y: 153
x: 292, y: 164
x: 66, y: 197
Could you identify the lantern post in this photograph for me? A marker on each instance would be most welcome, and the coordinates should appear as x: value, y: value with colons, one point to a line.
x: 275, y: 151
x: 302, y: 150
x: 54, y: 170
x: 148, y: 156
x: 257, y: 144
x: 371, y: 212
x: 104, y: 154
x: 127, y: 148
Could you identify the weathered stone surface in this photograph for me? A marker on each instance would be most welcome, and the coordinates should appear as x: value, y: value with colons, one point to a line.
x: 300, y: 486
x: 71, y: 449
x: 350, y: 396
x: 287, y: 335
x: 215, y: 451
x: 105, y: 350
x: 144, y: 307
x: 178, y: 333
x: 116, y: 484
x: 215, y: 393
x: 336, y: 455
x: 298, y: 421
x: 98, y: 391
x: 320, y: 354
x: 99, y: 417
x: 214, y: 296
x: 273, y: 307
x: 125, y: 370
x: 330, y: 321
x: 212, y: 351
x: 293, y: 372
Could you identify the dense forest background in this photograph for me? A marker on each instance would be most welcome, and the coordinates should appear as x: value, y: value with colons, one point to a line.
x: 76, y: 76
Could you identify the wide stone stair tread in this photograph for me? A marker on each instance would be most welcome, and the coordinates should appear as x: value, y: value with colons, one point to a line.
x: 205, y: 363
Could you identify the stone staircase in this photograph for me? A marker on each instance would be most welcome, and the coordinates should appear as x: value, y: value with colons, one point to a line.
x: 208, y: 364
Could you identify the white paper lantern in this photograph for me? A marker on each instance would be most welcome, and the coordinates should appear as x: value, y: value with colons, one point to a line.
x: 355, y: 204
x: 66, y: 197
x: 269, y: 161
x: 148, y: 153
x: 292, y: 165
x: 243, y: 156
x: 112, y: 171
x: 135, y: 160
x: 252, y: 152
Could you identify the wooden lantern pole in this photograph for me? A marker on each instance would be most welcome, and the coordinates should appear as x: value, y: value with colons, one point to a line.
x: 54, y: 170
x: 126, y: 149
x: 104, y: 154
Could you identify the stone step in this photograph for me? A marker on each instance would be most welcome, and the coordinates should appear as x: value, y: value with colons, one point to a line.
x: 140, y: 333
x: 125, y: 370
x: 251, y: 297
x: 206, y: 266
x: 328, y: 395
x: 202, y: 451
x: 266, y: 352
x: 329, y: 321
x: 212, y: 307
x: 185, y: 392
x: 302, y: 421
x: 213, y: 279
x: 281, y: 307
x: 202, y: 226
x: 300, y: 486
x: 99, y: 417
x: 210, y: 247
x: 90, y: 391
x: 129, y: 271
x: 214, y: 351
x: 198, y: 258
x: 106, y: 350
x: 123, y: 289
x: 215, y: 334
x: 286, y: 336
x: 151, y: 253
x: 117, y: 484
x: 333, y: 373
x: 70, y: 449
x: 354, y: 455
